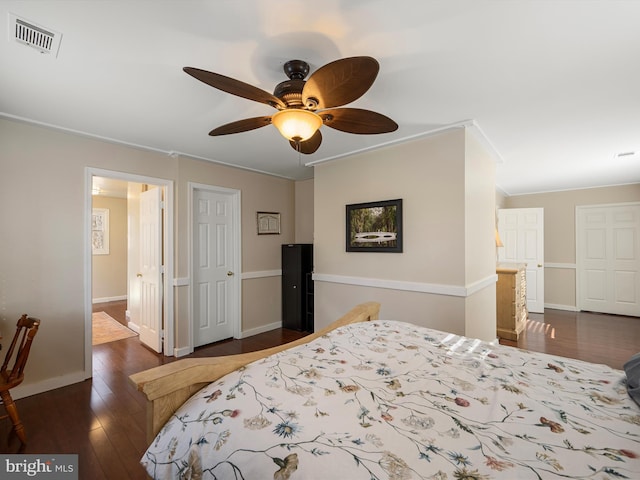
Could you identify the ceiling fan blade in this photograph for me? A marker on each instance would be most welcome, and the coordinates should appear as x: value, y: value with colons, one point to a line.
x: 356, y: 120
x: 308, y: 146
x: 340, y: 82
x: 235, y: 87
x: 241, y: 126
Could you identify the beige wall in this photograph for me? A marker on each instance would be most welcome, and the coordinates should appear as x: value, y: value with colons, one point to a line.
x: 42, y: 239
x: 429, y: 282
x: 479, y: 214
x: 501, y: 200
x: 560, y: 235
x: 109, y: 275
x: 479, y: 210
x: 428, y: 176
x: 304, y: 211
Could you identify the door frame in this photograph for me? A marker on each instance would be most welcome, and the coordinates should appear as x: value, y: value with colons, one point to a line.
x: 167, y: 240
x: 579, y: 265
x: 235, y: 196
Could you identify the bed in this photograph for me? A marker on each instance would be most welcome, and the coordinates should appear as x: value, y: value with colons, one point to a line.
x: 381, y: 399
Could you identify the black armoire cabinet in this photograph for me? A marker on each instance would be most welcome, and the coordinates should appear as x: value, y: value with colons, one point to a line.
x: 297, y: 286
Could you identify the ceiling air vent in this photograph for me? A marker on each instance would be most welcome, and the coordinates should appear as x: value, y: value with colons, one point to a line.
x: 629, y: 155
x: 29, y: 33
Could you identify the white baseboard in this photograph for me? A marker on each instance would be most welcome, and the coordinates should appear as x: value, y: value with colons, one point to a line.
x: 134, y: 326
x: 109, y: 299
x: 28, y: 389
x: 555, y: 306
x: 181, y: 352
x: 255, y: 331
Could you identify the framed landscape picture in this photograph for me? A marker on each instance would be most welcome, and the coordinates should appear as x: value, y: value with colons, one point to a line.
x: 374, y: 227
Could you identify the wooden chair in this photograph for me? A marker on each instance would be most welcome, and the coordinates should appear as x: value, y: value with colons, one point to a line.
x: 27, y: 328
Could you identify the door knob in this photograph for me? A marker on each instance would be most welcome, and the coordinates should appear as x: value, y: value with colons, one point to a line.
x: 229, y: 273
x: 139, y: 275
x: 539, y: 265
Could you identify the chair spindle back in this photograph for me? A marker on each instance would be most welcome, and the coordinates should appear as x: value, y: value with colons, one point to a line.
x: 26, y: 329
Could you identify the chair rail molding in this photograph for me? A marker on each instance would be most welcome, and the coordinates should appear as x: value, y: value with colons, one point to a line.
x: 434, y: 288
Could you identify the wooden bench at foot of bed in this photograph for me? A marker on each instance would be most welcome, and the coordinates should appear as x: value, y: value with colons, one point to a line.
x: 168, y: 386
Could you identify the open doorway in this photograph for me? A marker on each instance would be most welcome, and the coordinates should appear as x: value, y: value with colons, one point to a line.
x: 111, y: 294
x: 128, y: 227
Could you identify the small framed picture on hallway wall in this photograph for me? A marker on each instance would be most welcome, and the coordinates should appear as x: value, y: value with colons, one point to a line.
x: 100, y: 231
x: 268, y: 223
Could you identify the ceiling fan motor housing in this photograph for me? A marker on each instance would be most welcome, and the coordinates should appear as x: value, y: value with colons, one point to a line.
x: 290, y: 92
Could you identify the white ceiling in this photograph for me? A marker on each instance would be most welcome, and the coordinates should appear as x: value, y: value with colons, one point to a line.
x: 554, y: 86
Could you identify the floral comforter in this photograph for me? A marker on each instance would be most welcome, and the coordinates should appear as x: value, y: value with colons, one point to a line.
x: 390, y: 400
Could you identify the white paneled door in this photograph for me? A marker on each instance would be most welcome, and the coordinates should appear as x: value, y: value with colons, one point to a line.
x: 522, y: 233
x: 215, y: 279
x: 150, y: 273
x: 608, y: 258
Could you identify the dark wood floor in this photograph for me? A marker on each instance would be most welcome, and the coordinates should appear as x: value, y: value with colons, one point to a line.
x: 103, y: 419
x: 592, y: 337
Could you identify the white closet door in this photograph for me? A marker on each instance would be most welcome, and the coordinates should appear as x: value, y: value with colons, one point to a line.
x: 216, y: 283
x: 608, y: 258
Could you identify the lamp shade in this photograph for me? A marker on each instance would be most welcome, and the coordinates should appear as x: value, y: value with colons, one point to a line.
x: 296, y: 124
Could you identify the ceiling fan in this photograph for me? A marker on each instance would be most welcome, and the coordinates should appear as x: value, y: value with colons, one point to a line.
x: 305, y: 105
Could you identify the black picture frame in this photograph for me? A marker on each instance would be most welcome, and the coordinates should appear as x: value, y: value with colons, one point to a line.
x: 268, y: 223
x: 374, y: 227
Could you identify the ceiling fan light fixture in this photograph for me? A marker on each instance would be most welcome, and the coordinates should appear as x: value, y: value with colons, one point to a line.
x: 296, y: 124
x: 297, y: 100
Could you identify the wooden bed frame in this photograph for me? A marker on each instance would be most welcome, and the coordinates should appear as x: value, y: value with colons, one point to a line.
x: 168, y: 386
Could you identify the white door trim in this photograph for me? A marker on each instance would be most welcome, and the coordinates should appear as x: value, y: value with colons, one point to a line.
x: 237, y: 253
x: 168, y: 216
